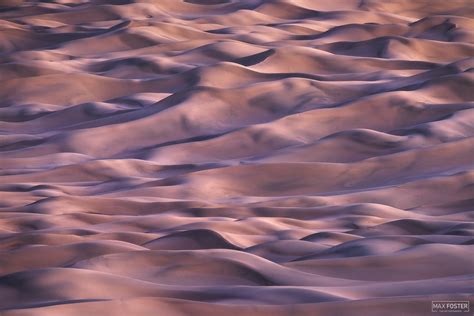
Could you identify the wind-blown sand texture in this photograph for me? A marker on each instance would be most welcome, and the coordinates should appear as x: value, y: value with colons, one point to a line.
x: 235, y: 157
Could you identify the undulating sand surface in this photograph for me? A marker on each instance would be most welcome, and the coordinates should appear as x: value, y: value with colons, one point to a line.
x: 236, y: 157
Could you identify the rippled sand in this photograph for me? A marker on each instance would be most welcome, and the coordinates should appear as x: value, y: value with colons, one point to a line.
x: 239, y: 157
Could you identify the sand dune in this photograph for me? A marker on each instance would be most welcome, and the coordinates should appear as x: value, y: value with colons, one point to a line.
x: 224, y: 157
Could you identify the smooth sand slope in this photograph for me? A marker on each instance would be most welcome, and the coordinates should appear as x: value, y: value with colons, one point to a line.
x: 236, y: 157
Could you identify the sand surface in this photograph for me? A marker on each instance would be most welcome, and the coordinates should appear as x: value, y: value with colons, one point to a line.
x: 236, y: 157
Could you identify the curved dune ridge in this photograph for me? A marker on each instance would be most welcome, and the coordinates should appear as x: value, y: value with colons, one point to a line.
x: 235, y: 157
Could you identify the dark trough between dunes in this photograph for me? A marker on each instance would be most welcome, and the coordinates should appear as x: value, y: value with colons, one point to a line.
x: 236, y: 157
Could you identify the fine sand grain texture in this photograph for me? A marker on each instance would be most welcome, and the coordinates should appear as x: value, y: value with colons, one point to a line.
x: 236, y: 157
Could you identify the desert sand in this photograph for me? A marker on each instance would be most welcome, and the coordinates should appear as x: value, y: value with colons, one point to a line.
x: 236, y: 157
